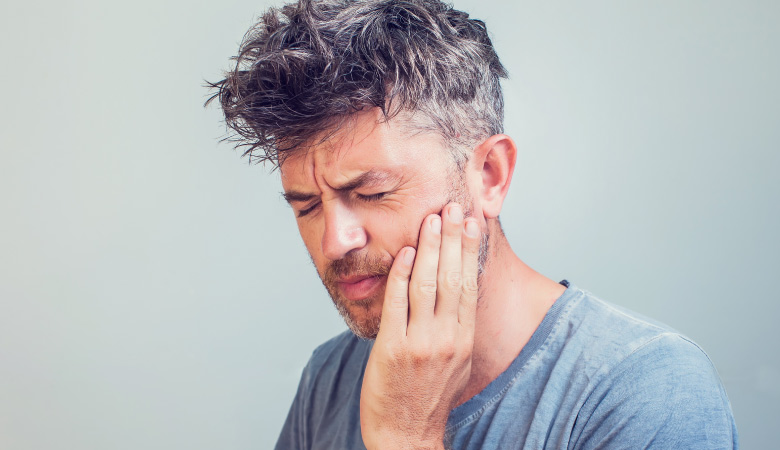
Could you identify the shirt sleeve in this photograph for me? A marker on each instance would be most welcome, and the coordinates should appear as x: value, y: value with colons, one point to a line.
x: 665, y: 395
x: 293, y: 435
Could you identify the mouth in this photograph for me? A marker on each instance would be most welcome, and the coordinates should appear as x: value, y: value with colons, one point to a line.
x: 359, y: 287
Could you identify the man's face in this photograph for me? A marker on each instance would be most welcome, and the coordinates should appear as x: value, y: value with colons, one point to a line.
x: 359, y: 198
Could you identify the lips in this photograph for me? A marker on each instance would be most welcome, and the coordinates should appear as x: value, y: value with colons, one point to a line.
x: 359, y: 287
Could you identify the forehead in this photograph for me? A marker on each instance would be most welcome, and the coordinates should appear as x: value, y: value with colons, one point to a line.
x: 366, y: 142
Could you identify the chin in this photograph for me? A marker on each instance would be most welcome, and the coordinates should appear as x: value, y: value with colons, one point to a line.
x: 361, y: 317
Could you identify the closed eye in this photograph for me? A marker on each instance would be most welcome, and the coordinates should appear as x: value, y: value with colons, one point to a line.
x: 306, y: 211
x: 372, y: 197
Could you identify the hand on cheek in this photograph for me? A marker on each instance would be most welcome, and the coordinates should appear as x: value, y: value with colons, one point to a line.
x: 421, y: 360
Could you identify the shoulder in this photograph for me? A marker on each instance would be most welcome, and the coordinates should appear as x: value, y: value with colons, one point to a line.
x: 340, y: 350
x: 651, y: 386
x: 333, y: 347
x: 601, y: 336
x: 592, y: 311
x: 624, y: 347
x: 335, y: 367
x: 328, y: 397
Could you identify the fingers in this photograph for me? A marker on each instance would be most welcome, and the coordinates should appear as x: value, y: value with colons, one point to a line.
x: 450, y: 271
x: 443, y: 281
x: 395, y: 308
x: 467, y: 307
x: 422, y: 291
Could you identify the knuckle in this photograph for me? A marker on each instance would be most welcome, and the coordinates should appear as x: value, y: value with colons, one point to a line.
x: 420, y: 353
x: 397, y: 301
x: 452, y: 279
x: 427, y: 286
x: 447, y: 350
x: 470, y: 284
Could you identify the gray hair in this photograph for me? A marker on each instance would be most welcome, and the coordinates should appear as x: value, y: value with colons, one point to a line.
x: 305, y: 68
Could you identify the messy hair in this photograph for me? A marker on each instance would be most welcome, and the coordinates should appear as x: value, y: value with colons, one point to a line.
x: 305, y: 68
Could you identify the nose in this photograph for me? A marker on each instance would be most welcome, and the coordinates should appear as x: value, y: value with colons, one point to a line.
x: 343, y: 230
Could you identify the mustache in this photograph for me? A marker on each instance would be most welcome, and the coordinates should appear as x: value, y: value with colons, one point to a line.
x: 357, y: 264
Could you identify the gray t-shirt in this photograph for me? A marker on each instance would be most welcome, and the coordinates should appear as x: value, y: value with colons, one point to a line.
x: 592, y: 376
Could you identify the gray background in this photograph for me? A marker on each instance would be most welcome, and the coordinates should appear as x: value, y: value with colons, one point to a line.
x: 153, y: 290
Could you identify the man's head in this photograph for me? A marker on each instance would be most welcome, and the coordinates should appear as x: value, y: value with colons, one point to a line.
x: 378, y: 113
x: 310, y: 65
x: 361, y: 196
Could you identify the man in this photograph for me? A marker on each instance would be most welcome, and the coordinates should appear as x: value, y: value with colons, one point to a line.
x: 385, y: 120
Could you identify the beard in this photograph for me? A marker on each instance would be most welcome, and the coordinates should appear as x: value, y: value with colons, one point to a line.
x: 361, y: 316
x: 364, y: 316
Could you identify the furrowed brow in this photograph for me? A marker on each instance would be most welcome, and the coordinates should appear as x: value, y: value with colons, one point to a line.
x: 370, y: 178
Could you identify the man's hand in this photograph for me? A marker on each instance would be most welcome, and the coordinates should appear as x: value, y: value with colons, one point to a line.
x: 421, y: 360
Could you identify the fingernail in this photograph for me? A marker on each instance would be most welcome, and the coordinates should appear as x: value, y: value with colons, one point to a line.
x: 472, y: 229
x: 436, y: 225
x: 456, y: 214
x: 409, y: 256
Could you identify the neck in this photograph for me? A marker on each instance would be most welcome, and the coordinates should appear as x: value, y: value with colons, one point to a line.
x: 513, y: 301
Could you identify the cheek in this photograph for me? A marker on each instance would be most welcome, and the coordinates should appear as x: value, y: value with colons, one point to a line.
x: 395, y: 231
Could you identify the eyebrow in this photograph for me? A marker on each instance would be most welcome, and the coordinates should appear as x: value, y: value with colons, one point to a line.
x: 370, y: 178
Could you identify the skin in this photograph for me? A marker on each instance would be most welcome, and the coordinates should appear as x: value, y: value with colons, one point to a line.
x: 443, y: 337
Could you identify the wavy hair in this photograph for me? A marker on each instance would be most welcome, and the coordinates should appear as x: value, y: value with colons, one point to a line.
x: 306, y: 67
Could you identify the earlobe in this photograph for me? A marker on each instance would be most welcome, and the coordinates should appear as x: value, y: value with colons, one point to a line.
x: 496, y: 158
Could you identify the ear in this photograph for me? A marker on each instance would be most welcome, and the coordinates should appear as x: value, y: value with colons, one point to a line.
x: 494, y: 163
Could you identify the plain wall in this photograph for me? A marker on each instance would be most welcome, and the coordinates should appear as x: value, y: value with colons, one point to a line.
x: 154, y: 292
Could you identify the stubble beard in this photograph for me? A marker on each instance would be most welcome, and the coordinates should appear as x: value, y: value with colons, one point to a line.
x: 363, y: 316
